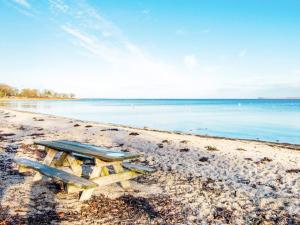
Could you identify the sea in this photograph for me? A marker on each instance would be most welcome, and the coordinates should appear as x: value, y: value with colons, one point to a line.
x: 276, y: 120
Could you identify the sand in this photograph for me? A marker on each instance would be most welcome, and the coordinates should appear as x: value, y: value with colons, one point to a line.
x: 199, y: 179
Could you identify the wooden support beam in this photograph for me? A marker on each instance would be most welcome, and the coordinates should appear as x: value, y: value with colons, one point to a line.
x: 96, y: 172
x: 113, y: 178
x: 61, y: 159
x: 104, y: 171
x: 23, y: 169
x: 51, y: 153
x: 74, y: 164
x: 119, y: 169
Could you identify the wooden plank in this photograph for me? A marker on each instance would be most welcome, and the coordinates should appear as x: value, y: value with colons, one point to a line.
x: 85, y: 149
x: 104, y: 171
x: 56, y: 173
x: 87, y: 194
x: 61, y: 159
x: 138, y: 168
x: 119, y: 169
x: 51, y: 153
x: 114, y: 178
x: 74, y: 164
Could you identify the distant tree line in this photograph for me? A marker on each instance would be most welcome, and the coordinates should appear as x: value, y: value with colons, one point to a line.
x: 8, y: 91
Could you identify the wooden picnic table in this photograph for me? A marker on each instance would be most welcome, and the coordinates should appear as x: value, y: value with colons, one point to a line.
x: 61, y: 160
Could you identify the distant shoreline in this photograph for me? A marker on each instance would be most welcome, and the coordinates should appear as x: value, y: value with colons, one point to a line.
x: 34, y: 99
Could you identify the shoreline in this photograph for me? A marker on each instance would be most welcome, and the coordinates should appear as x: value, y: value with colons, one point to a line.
x: 198, y: 179
x: 271, y: 143
x: 34, y: 99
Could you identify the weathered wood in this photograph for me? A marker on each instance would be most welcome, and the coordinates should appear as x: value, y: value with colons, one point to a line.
x: 85, y: 149
x: 85, y: 195
x: 113, y: 178
x: 119, y: 169
x: 51, y: 153
x: 74, y: 164
x: 104, y: 171
x: 23, y: 169
x: 61, y: 159
x: 138, y: 168
x: 56, y: 173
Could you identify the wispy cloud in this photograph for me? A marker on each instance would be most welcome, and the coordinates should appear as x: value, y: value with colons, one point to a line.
x: 23, y: 3
x: 190, y: 61
x: 296, y: 72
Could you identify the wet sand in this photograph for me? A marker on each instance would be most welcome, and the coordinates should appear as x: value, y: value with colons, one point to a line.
x: 199, y: 179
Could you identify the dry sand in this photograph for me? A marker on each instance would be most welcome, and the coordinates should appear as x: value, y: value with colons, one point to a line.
x: 199, y: 180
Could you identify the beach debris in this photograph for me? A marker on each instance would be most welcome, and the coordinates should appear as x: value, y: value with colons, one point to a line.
x: 7, y: 134
x: 134, y: 134
x: 135, y: 210
x: 241, y: 149
x: 223, y: 214
x: 211, y: 148
x: 184, y: 149
x: 249, y: 159
x: 243, y: 181
x: 184, y: 142
x: 36, y: 134
x: 39, y: 128
x: 110, y: 129
x: 76, y: 125
x: 88, y: 126
x: 22, y: 128
x: 160, y: 145
x: 3, y: 136
x: 166, y: 141
x: 11, y: 148
x: 203, y: 159
x: 119, y: 145
x: 263, y: 160
x: 293, y: 171
x: 38, y: 119
x: 208, y: 184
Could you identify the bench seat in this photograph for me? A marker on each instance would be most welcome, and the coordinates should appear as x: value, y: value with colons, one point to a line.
x: 138, y: 168
x: 56, y: 173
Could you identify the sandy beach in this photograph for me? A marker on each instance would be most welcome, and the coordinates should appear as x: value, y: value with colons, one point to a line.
x: 199, y: 179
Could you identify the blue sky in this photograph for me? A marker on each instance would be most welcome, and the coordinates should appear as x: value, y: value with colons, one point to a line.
x: 152, y: 49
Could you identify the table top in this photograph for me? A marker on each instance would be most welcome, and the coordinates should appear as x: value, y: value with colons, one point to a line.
x: 88, y: 150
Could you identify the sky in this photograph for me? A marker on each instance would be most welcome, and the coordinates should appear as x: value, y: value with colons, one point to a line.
x: 152, y: 48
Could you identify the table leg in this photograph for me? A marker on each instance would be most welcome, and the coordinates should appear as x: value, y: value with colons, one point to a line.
x: 96, y: 172
x: 119, y: 169
x: 61, y: 159
x: 48, y: 160
x: 75, y: 165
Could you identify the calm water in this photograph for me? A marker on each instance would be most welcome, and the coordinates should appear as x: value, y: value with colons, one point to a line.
x: 272, y: 120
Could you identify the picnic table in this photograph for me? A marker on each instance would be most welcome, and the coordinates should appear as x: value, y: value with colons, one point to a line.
x: 64, y: 162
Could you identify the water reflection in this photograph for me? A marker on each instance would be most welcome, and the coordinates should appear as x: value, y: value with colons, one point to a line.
x: 264, y: 119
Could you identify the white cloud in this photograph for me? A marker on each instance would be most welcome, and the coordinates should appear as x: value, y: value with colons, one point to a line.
x: 243, y: 52
x: 23, y: 3
x: 296, y: 71
x: 190, y: 61
x: 211, y: 69
x: 106, y: 34
x: 59, y: 5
